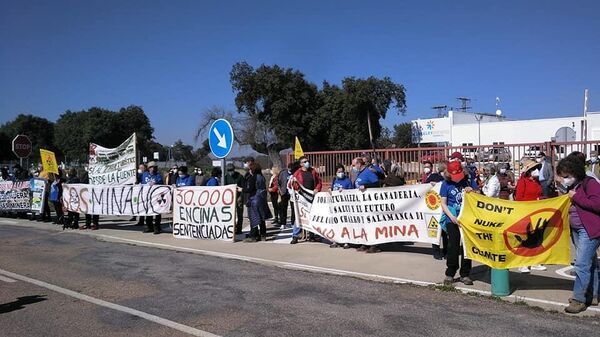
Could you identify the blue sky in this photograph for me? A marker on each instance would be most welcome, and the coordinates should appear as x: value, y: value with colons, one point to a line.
x: 173, y: 57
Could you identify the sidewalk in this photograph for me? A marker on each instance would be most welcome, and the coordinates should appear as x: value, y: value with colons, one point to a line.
x: 397, y: 263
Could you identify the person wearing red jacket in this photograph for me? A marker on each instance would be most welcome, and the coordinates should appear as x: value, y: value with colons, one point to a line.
x: 528, y: 189
x: 309, y: 179
x: 528, y: 186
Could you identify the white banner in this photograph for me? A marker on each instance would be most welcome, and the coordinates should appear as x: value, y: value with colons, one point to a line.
x: 117, y: 200
x: 204, y: 212
x: 113, y: 166
x: 408, y: 213
x: 15, y: 196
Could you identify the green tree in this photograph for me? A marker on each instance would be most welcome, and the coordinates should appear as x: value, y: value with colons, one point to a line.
x: 402, y: 136
x: 39, y: 130
x: 183, y: 152
x: 280, y: 100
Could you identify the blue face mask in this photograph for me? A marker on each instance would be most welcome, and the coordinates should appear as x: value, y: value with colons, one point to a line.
x: 354, y: 169
x: 307, y: 165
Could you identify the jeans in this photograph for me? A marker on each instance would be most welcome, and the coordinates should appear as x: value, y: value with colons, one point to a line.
x: 585, y: 287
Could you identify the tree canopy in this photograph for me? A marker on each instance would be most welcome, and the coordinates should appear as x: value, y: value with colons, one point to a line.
x: 39, y: 130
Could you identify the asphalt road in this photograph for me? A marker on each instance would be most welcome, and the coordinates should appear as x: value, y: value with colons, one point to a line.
x: 228, y: 297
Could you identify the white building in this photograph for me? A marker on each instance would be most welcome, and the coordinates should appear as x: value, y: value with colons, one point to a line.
x: 473, y: 129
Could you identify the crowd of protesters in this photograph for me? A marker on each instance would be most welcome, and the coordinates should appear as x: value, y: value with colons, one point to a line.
x: 575, y: 176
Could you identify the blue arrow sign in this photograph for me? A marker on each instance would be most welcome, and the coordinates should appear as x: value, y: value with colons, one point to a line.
x: 220, y: 138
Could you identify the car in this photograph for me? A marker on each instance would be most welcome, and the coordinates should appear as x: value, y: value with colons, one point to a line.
x: 433, y: 156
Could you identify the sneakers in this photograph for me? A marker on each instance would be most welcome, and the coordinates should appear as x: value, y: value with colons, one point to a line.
x: 334, y: 245
x: 252, y: 239
x: 575, y: 307
x: 524, y: 270
x: 538, y: 267
x: 362, y: 248
x: 294, y: 241
x: 346, y: 245
x: 466, y: 281
x: 448, y: 280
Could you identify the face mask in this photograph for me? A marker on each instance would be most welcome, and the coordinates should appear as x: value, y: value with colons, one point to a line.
x: 535, y: 173
x: 593, y: 159
x: 539, y: 160
x: 568, y: 181
x: 181, y: 175
x: 427, y: 170
x: 246, y: 165
x: 140, y: 171
x: 502, y: 171
x: 307, y: 165
x: 354, y: 169
x: 340, y: 175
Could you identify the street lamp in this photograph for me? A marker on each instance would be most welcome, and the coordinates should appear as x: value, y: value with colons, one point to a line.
x: 479, y: 118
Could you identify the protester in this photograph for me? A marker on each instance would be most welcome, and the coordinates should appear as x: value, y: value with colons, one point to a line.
x: 199, y: 177
x: 215, y: 177
x: 19, y: 174
x: 453, y: 187
x: 584, y: 220
x: 491, y: 183
x: 546, y: 175
x: 274, y: 194
x: 427, y: 171
x: 528, y: 189
x: 507, y: 181
x: 247, y: 176
x: 258, y: 210
x: 138, y: 179
x: 92, y: 221
x: 183, y: 178
x: 593, y: 166
x: 171, y: 176
x: 4, y: 176
x: 55, y: 191
x: 395, y: 177
x: 152, y: 177
x: 73, y: 217
x: 433, y: 179
x: 49, y: 177
x: 364, y: 179
x: 308, y: 178
x: 353, y: 172
x: 234, y: 177
x: 341, y: 181
x: 284, y: 193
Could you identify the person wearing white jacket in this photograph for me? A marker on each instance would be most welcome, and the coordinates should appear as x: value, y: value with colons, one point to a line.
x: 491, y: 187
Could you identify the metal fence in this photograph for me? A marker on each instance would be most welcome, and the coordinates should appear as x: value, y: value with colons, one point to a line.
x: 412, y: 159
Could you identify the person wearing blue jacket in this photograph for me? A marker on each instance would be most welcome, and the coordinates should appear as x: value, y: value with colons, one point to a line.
x: 365, y: 177
x: 184, y: 179
x: 152, y: 177
x: 341, y: 181
x: 215, y: 176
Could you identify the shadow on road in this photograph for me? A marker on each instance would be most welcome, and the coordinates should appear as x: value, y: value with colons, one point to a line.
x: 20, y: 303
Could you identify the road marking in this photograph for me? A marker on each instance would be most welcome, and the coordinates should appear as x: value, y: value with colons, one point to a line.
x: 6, y: 279
x: 9, y: 222
x: 563, y: 272
x: 338, y: 272
x: 159, y: 320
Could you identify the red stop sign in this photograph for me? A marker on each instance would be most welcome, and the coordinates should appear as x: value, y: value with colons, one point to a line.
x: 21, y: 146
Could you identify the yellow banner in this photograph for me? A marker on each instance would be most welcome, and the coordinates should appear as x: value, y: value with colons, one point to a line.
x: 298, y: 149
x: 508, y: 234
x: 49, y: 161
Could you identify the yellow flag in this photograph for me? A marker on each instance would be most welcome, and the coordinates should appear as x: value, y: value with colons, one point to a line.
x: 509, y: 234
x: 298, y: 149
x: 48, y: 161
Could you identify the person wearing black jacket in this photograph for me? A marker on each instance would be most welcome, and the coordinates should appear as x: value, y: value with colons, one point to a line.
x: 234, y: 177
x: 73, y: 217
x: 91, y: 221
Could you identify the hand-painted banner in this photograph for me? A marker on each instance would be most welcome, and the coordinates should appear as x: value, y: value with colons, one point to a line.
x: 38, y: 187
x: 15, y: 196
x: 49, y: 163
x: 374, y: 216
x: 117, y: 200
x: 508, y: 234
x: 204, y: 212
x: 113, y: 166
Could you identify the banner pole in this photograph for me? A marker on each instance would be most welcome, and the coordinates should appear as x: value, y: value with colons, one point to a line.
x: 223, y: 172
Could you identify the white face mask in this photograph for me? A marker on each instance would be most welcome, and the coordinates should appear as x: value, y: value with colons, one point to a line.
x: 539, y: 160
x: 535, y: 173
x: 181, y: 175
x: 246, y: 165
x: 140, y: 171
x: 340, y: 175
x: 594, y: 159
x: 568, y: 181
x: 427, y: 170
x: 502, y: 171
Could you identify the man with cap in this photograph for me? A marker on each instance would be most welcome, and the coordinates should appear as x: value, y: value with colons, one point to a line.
x: 546, y: 176
x: 456, y: 183
x: 234, y: 177
x: 152, y: 177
